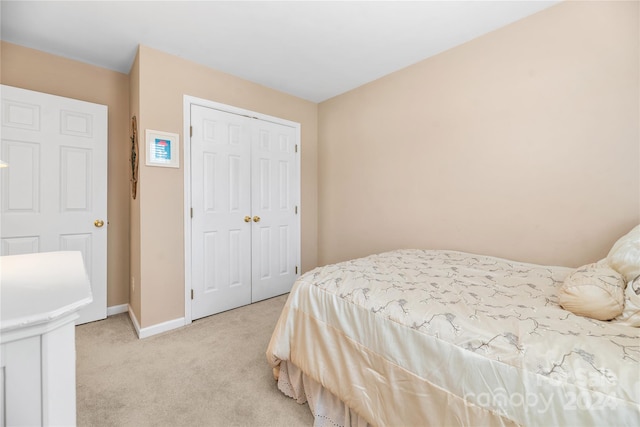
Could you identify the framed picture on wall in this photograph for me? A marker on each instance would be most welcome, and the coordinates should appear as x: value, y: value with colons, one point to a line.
x: 163, y: 149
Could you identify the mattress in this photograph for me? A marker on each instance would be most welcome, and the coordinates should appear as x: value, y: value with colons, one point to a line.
x: 423, y: 337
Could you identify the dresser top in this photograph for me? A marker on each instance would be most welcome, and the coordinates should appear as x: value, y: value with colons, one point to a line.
x: 40, y: 288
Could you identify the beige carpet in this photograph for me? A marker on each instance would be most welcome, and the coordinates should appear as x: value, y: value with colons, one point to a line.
x: 210, y: 373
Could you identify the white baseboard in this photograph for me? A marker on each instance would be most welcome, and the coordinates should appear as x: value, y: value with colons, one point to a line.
x: 154, y: 329
x: 117, y: 309
x: 134, y: 320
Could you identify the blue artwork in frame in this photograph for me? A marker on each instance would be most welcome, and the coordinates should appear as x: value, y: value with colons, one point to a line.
x: 162, y: 149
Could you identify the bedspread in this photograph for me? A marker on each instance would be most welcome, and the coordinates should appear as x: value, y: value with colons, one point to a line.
x: 415, y: 337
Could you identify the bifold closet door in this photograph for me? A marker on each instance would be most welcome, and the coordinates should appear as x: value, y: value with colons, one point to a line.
x: 245, y: 225
x: 275, y: 235
x: 221, y: 203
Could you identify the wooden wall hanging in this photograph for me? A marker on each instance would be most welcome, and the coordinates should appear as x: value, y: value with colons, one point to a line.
x: 134, y: 157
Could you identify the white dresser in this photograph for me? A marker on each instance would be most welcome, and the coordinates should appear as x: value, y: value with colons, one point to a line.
x: 40, y: 295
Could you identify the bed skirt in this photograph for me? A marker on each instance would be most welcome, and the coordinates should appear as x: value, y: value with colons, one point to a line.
x: 327, y: 409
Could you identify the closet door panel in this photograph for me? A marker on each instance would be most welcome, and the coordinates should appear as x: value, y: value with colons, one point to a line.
x: 221, y: 199
x: 274, y: 180
x: 245, y: 238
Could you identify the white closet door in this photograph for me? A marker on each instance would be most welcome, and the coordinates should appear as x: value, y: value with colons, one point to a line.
x: 274, y: 189
x: 221, y: 199
x: 245, y: 228
x: 54, y: 192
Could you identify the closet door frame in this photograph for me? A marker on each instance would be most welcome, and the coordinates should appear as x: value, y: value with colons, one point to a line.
x: 188, y: 101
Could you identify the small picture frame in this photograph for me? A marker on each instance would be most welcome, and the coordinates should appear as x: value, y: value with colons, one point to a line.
x: 163, y: 149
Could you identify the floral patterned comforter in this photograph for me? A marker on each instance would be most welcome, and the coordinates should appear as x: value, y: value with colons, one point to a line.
x: 484, y: 335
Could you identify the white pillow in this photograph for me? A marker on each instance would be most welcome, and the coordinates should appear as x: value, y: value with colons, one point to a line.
x: 594, y: 291
x: 624, y: 256
x: 631, y: 314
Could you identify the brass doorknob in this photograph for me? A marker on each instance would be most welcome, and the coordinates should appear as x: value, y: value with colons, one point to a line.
x: 247, y: 219
x: 256, y: 218
x: 98, y: 223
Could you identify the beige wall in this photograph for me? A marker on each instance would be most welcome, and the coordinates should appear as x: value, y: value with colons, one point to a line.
x: 134, y: 212
x: 523, y: 144
x: 42, y: 72
x: 163, y: 80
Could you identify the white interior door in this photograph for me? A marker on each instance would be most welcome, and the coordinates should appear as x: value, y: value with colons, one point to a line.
x: 274, y: 189
x: 54, y: 192
x: 221, y: 203
x: 245, y: 223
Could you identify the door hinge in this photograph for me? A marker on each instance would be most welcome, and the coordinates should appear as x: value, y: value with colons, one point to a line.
x: 296, y: 148
x: 190, y: 130
x: 191, y: 293
x: 296, y: 210
x: 296, y: 269
x: 191, y: 212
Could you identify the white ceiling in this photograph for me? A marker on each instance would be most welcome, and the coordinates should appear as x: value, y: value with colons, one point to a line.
x: 311, y: 49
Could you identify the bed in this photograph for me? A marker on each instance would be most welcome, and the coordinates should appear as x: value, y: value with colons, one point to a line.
x: 440, y: 338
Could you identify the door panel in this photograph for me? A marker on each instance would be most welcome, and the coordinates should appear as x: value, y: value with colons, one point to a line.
x: 56, y: 184
x: 20, y: 245
x: 220, y: 186
x: 275, y: 236
x: 244, y: 229
x: 21, y: 187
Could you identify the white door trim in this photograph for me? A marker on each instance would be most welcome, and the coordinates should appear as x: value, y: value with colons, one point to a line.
x: 188, y: 101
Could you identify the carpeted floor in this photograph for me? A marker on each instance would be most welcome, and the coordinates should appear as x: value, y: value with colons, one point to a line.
x: 210, y: 373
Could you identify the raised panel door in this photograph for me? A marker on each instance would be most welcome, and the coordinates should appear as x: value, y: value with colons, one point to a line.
x: 275, y: 245
x: 221, y: 199
x: 245, y: 224
x: 55, y: 186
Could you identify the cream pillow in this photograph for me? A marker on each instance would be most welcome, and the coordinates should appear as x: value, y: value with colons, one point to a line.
x: 631, y: 314
x: 624, y: 256
x: 594, y: 291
